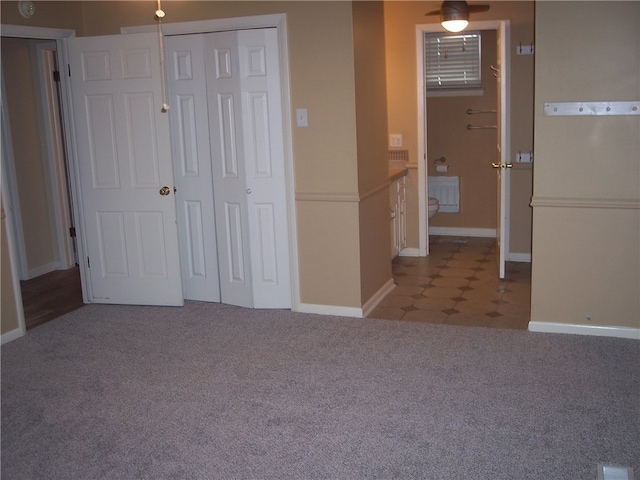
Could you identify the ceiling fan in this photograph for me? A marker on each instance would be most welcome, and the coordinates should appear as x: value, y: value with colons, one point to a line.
x: 454, y: 15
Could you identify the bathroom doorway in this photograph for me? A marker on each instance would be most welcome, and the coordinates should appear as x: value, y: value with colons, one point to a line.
x: 493, y: 136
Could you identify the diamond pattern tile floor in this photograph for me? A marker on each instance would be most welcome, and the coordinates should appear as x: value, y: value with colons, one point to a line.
x: 458, y: 284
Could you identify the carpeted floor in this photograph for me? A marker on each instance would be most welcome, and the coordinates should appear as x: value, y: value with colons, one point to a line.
x: 210, y: 391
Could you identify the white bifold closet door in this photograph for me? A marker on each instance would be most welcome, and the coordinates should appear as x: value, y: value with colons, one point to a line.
x: 230, y: 176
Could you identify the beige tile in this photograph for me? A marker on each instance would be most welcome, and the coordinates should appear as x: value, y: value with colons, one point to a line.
x: 468, y: 256
x: 482, y: 295
x: 468, y: 264
x: 397, y: 301
x: 520, y: 310
x: 386, y: 313
x: 467, y: 320
x: 443, y: 292
x: 509, y: 321
x: 490, y: 275
x: 409, y: 280
x: 458, y: 284
x: 517, y: 298
x: 425, y: 316
x: 476, y: 307
x: 434, y: 303
x: 406, y: 290
x: 450, y: 282
x: 456, y: 272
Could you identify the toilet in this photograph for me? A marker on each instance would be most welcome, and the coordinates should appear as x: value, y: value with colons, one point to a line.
x: 434, y: 206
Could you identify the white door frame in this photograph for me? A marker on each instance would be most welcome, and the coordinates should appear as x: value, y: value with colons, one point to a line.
x: 11, y: 199
x: 423, y: 222
x: 56, y: 155
x: 8, y: 217
x: 58, y: 35
x: 54, y: 149
x: 279, y: 21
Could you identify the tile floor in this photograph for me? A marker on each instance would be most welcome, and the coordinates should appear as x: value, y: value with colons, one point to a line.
x: 458, y: 284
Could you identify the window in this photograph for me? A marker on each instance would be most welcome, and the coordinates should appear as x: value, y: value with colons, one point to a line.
x: 452, y: 62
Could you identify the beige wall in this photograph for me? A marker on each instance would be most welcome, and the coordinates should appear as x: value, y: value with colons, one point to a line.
x: 478, y: 193
x: 586, y: 228
x: 328, y: 159
x: 50, y: 14
x: 24, y: 107
x: 373, y: 163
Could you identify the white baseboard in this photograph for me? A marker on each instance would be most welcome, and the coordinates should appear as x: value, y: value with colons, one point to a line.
x: 10, y: 336
x: 409, y: 252
x: 620, y: 332
x: 43, y: 269
x: 330, y: 310
x: 519, y: 257
x: 348, y: 311
x: 463, y: 232
x: 373, y: 302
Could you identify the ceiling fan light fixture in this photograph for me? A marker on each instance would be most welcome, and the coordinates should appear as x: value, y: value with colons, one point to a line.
x: 454, y: 16
x: 454, y: 25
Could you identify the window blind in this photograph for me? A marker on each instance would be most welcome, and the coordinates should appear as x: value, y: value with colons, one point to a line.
x: 452, y: 61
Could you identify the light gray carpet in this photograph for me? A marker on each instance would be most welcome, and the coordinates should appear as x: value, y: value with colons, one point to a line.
x: 211, y: 391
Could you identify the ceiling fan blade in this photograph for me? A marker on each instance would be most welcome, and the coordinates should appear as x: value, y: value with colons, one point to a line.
x: 435, y: 12
x: 478, y: 8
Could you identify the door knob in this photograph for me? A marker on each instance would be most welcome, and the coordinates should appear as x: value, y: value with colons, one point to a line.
x: 248, y: 191
x: 502, y: 165
x: 164, y: 191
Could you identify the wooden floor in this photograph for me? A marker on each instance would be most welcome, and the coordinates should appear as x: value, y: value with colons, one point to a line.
x: 51, y: 296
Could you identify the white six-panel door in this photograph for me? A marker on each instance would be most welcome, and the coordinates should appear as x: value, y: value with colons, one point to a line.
x: 124, y: 159
x: 192, y: 166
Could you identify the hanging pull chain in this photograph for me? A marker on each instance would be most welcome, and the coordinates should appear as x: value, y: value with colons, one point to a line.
x: 159, y: 16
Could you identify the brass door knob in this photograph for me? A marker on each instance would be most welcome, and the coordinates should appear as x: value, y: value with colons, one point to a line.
x: 164, y: 191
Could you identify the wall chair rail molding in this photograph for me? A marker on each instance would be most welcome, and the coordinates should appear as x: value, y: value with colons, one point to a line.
x: 587, y: 202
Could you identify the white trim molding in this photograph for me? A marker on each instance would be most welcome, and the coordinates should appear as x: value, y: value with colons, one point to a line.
x: 354, y: 312
x: 11, y: 336
x: 373, y: 302
x: 327, y: 197
x: 463, y: 232
x: 334, y: 310
x: 519, y: 257
x: 23, y: 31
x: 410, y: 252
x: 44, y: 269
x: 586, y: 202
x: 594, y: 330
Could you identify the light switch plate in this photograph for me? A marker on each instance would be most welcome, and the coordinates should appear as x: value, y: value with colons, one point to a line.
x: 301, y: 117
x: 395, y: 140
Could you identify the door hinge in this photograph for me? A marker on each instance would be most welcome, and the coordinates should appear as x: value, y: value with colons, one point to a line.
x: 69, y: 68
x: 72, y: 232
x: 56, y: 76
x: 88, y: 263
